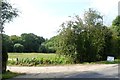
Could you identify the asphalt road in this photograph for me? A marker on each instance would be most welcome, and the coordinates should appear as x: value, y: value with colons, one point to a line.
x: 111, y: 72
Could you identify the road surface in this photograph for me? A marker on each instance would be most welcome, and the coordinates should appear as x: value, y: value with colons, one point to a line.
x: 71, y: 71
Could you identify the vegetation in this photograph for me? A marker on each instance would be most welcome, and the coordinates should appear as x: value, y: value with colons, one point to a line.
x: 32, y: 55
x: 7, y: 14
x: 23, y: 43
x: 42, y: 59
x: 79, y: 40
x: 116, y: 61
x: 18, y: 47
x: 88, y: 40
x: 9, y: 74
x: 51, y: 44
x: 35, y: 59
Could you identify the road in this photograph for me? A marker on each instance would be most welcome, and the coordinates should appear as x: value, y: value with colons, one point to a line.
x: 74, y: 71
x: 110, y: 72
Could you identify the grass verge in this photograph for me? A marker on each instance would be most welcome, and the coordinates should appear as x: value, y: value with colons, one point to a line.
x: 8, y: 74
x: 116, y: 61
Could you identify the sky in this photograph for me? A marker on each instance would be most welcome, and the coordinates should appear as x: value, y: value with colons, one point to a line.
x: 44, y: 17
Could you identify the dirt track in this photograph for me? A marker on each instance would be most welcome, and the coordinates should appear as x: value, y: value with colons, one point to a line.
x: 65, y: 68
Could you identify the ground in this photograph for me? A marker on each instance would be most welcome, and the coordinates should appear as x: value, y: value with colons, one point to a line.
x: 68, y: 71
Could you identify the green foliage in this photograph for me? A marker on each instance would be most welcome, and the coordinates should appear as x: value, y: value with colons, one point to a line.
x: 45, y: 59
x: 42, y: 49
x: 116, y: 61
x: 31, y: 42
x: 31, y: 55
x: 41, y: 59
x: 116, y: 35
x: 7, y: 42
x: 15, y: 39
x: 18, y: 47
x: 7, y: 14
x: 116, y: 21
x: 8, y: 75
x: 79, y: 40
x: 49, y: 46
x: 92, y: 18
x: 87, y: 42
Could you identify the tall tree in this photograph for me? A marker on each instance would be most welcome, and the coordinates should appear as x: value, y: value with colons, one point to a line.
x: 7, y: 14
x: 92, y: 18
x: 116, y: 25
x: 31, y: 42
x: 84, y: 42
x: 68, y: 37
x: 116, y: 28
x: 51, y: 44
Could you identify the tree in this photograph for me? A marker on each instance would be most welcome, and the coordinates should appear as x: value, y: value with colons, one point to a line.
x: 8, y: 42
x: 15, y: 39
x: 116, y: 29
x: 31, y: 42
x: 7, y: 14
x: 51, y: 44
x: 85, y: 42
x: 43, y: 49
x: 92, y: 17
x: 18, y: 47
x: 68, y: 37
x: 116, y: 24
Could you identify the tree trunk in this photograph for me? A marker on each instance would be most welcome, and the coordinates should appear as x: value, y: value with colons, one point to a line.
x: 4, y: 62
x: 4, y: 56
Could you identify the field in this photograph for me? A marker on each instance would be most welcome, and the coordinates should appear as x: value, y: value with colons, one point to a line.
x: 35, y: 59
x: 31, y: 55
x: 38, y: 59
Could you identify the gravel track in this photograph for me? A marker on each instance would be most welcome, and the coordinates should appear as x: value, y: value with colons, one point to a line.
x: 65, y: 68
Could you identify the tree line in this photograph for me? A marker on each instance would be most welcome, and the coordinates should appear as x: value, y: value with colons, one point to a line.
x: 27, y: 42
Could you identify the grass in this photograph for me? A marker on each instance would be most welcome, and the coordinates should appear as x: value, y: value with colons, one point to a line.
x: 36, y: 59
x: 9, y: 74
x: 31, y: 55
x: 42, y: 59
x: 116, y: 61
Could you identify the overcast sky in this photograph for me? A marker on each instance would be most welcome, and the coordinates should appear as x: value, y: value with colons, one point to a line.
x: 43, y: 17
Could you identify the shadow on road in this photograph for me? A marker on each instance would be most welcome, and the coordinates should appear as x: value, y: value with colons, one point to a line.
x: 89, y: 74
